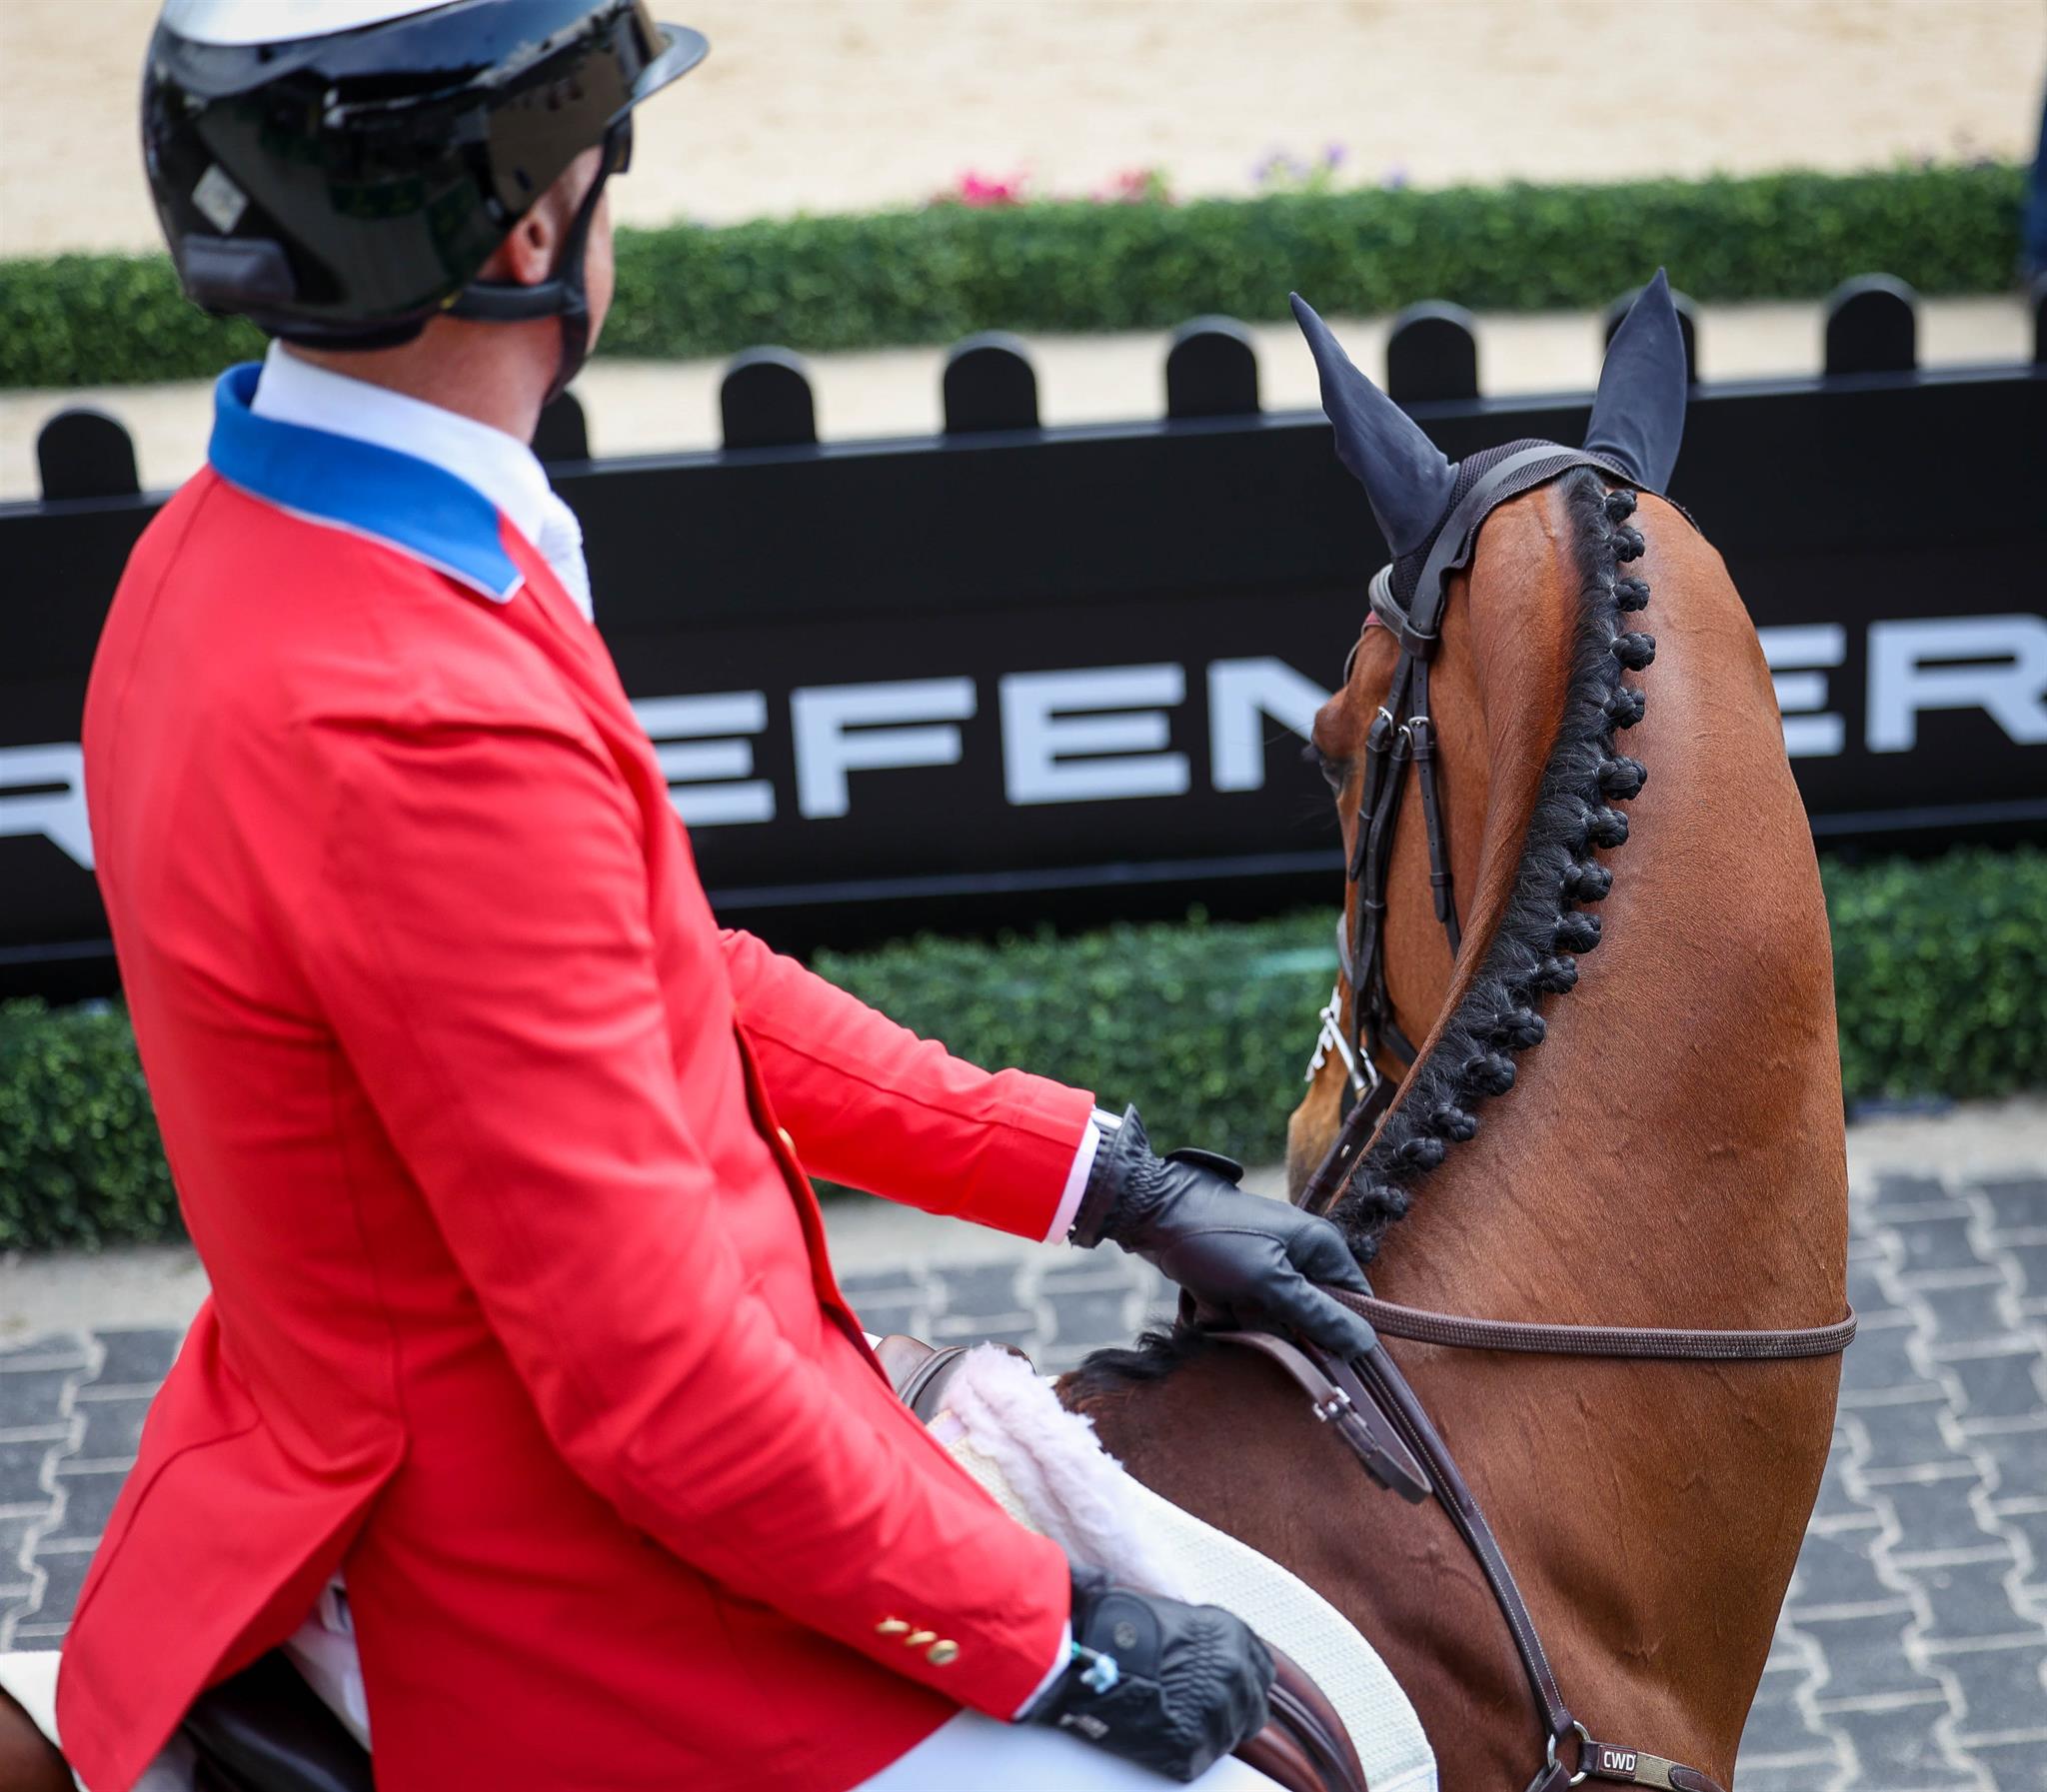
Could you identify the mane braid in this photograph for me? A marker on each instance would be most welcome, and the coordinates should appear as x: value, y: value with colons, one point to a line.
x: 1534, y: 952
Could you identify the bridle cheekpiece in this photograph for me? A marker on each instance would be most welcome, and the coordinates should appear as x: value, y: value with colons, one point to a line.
x: 1404, y: 735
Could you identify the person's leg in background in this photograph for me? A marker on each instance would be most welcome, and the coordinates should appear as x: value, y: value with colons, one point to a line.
x: 978, y: 1752
x: 2033, y: 245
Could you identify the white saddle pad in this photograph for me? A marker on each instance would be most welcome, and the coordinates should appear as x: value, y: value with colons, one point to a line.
x: 31, y: 1680
x: 1043, y: 1466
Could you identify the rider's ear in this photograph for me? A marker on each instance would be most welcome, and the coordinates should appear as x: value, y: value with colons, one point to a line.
x: 1638, y: 413
x: 1403, y: 473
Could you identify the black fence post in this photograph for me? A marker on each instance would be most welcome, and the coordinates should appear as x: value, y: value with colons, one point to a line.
x: 1431, y: 352
x: 2040, y: 320
x: 1872, y: 327
x: 562, y: 434
x: 86, y: 454
x: 1688, y: 324
x: 1211, y: 370
x: 765, y: 401
x: 989, y: 384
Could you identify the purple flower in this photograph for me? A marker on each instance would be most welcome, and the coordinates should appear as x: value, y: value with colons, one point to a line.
x: 1334, y: 154
x: 1394, y: 178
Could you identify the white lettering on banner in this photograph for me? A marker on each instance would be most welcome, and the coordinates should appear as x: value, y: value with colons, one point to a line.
x: 855, y: 728
x: 1242, y: 694
x: 42, y: 791
x: 709, y: 773
x: 1052, y: 755
x: 1096, y: 734
x: 1811, y: 729
x: 1907, y: 675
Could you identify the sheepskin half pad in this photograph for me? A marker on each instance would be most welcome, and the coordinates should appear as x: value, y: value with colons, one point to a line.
x: 1041, y: 1464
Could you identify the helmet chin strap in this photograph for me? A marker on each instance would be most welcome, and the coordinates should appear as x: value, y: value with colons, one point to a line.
x: 563, y: 294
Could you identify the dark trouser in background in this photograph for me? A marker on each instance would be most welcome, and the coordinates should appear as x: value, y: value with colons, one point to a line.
x: 2033, y: 248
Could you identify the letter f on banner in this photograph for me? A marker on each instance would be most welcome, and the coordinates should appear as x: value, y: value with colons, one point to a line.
x: 42, y: 791
x: 857, y: 727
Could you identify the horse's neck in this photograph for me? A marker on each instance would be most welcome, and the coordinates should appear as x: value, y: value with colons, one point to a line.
x: 1672, y: 1153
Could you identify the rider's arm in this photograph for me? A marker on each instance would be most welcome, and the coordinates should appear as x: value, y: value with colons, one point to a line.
x: 483, y: 954
x: 872, y: 1105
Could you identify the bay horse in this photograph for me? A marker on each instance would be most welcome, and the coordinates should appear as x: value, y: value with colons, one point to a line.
x: 1645, y: 1134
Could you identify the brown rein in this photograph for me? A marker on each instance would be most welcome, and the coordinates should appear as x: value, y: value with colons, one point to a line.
x: 1637, y: 1343
x: 1371, y: 1407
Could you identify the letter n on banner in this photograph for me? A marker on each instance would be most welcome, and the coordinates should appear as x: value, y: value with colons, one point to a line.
x: 1242, y: 695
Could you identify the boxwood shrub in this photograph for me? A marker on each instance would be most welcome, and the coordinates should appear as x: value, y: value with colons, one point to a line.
x: 941, y: 272
x: 1940, y: 973
x: 80, y: 1158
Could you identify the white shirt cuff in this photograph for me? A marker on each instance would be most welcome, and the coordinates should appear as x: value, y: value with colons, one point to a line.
x: 1059, y: 1661
x: 1077, y: 1177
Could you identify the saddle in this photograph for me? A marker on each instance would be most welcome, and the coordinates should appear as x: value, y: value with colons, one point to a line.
x: 265, y: 1730
x: 1305, y: 1746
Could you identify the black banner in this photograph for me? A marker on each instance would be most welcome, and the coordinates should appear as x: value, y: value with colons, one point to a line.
x: 980, y: 680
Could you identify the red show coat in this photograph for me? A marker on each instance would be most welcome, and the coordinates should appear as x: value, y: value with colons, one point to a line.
x: 522, y: 1316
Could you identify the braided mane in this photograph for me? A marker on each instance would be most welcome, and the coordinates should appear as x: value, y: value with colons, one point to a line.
x: 1535, y: 951
x: 1535, y: 948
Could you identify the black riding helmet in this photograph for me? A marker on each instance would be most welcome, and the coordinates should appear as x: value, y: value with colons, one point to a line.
x: 337, y: 171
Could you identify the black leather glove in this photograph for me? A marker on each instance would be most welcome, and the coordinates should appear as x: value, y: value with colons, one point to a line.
x: 1171, y: 1687
x: 1252, y: 1257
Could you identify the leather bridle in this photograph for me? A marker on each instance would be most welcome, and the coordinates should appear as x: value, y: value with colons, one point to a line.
x: 1404, y: 735
x: 1368, y: 1404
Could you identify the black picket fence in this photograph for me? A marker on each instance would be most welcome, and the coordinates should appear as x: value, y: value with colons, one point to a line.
x: 1211, y: 370
x: 1009, y: 672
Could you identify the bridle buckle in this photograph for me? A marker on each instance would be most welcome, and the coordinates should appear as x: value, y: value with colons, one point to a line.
x: 1358, y: 1068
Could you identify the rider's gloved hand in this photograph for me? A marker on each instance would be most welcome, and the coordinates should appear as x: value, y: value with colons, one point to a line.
x: 1252, y: 1257
x: 1171, y: 1687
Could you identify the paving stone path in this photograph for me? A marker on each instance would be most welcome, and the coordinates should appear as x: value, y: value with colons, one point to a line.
x: 1912, y: 1651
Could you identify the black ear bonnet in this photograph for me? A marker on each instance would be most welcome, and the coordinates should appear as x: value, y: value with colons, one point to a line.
x: 1637, y: 421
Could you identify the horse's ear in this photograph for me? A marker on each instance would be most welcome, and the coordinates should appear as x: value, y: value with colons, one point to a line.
x: 1638, y: 413
x: 1403, y: 473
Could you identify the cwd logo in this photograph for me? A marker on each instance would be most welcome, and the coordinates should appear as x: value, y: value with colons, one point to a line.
x: 1616, y: 1760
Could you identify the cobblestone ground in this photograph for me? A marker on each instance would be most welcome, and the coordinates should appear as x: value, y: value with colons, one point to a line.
x: 1912, y: 1652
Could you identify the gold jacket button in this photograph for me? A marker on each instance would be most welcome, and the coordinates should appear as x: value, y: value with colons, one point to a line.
x: 943, y: 1653
x: 892, y: 1627
x: 917, y: 1638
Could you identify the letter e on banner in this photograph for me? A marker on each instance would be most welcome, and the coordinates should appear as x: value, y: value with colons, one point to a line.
x: 42, y: 791
x: 709, y: 773
x: 1799, y: 657
x: 1059, y: 746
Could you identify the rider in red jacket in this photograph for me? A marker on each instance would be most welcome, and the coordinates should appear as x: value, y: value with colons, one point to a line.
x: 492, y: 1142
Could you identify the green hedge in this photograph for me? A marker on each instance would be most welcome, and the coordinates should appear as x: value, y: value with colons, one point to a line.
x: 80, y: 1160
x: 1940, y: 969
x: 942, y: 272
x: 1940, y: 974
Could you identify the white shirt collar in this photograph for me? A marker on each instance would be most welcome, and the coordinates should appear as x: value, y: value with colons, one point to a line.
x: 501, y: 467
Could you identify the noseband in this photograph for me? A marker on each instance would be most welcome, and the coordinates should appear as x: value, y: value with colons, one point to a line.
x: 1404, y: 735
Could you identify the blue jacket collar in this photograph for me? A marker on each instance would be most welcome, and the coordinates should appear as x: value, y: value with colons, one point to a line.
x: 410, y: 504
